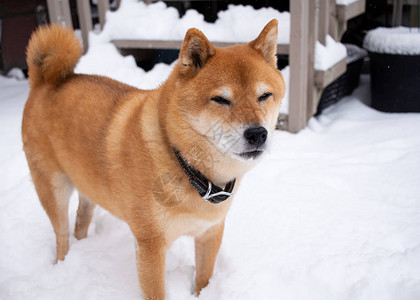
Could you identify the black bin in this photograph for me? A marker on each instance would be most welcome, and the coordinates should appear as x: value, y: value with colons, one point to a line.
x: 395, y: 82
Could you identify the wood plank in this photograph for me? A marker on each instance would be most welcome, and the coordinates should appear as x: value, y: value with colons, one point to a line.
x: 59, y: 12
x: 405, y: 2
x: 158, y: 44
x: 85, y: 20
x: 414, y: 16
x: 323, y: 20
x: 313, y: 21
x: 347, y: 12
x: 103, y: 7
x: 299, y: 30
x: 324, y: 78
x: 397, y: 12
x: 146, y: 44
x: 333, y: 24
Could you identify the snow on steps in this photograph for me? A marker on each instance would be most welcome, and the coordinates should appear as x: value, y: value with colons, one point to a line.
x: 134, y: 24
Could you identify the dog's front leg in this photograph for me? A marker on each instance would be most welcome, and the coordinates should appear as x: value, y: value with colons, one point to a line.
x: 206, y: 248
x: 150, y: 255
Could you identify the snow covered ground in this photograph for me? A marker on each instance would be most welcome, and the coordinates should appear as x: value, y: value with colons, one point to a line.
x: 330, y: 213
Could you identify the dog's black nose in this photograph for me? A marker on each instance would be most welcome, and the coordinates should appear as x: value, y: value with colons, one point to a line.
x: 256, y: 136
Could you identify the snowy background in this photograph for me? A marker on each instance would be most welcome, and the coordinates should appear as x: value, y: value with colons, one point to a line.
x: 330, y: 213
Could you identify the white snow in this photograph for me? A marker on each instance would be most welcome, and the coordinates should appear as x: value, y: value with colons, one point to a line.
x: 397, y: 40
x: 104, y: 59
x: 345, y: 2
x: 156, y: 21
x: 328, y: 55
x: 16, y: 73
x: 330, y: 213
x: 284, y: 108
x: 137, y: 20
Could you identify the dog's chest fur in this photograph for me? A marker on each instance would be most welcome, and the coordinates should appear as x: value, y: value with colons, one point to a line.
x: 188, y: 225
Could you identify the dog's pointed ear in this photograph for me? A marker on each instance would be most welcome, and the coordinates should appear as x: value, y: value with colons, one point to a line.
x: 195, y: 51
x: 266, y: 43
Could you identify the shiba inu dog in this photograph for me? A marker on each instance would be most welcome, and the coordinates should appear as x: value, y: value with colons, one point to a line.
x: 166, y: 161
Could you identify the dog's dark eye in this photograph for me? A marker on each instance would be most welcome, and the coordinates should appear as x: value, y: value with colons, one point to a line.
x: 264, y: 97
x: 220, y: 100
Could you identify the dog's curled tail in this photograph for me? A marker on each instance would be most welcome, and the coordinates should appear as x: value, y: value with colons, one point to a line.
x: 52, y: 54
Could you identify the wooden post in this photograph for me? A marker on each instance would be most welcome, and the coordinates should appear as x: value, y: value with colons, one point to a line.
x: 333, y: 23
x: 397, y: 13
x: 299, y: 13
x: 59, y: 12
x: 103, y: 7
x: 314, y: 19
x: 85, y: 20
x: 323, y: 20
x: 415, y: 16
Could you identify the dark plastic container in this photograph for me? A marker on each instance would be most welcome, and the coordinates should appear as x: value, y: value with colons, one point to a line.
x: 395, y: 82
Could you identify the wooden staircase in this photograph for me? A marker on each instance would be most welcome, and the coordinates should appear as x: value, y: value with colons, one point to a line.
x: 311, y: 21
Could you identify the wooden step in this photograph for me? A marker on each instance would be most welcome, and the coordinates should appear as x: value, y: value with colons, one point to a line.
x: 324, y: 78
x: 158, y: 44
x: 347, y: 12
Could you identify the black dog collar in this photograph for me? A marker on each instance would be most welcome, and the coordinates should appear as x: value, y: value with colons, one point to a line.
x: 207, y: 190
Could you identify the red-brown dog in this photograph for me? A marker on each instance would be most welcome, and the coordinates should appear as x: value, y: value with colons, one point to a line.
x: 165, y: 161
